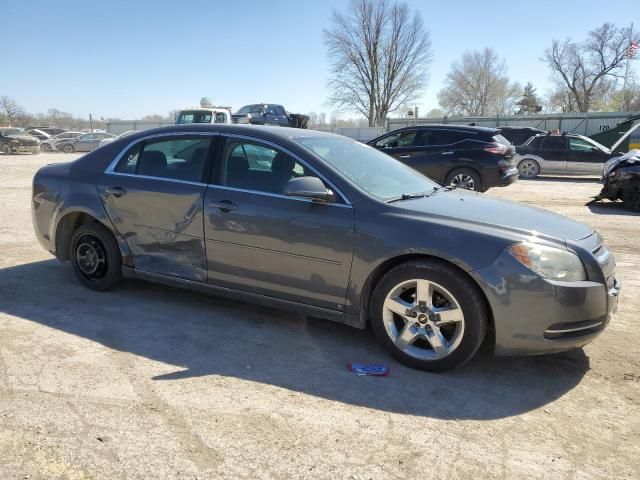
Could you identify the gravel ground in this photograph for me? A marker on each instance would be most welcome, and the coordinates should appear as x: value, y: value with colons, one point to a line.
x: 152, y: 382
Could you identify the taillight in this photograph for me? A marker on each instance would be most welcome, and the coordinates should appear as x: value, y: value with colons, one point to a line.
x: 497, y: 148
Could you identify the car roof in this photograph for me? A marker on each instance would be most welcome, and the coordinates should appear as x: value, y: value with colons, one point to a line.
x: 450, y: 126
x: 520, y: 128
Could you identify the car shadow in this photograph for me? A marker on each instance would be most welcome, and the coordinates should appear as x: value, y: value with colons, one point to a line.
x: 552, y: 178
x: 205, y: 335
x: 605, y: 207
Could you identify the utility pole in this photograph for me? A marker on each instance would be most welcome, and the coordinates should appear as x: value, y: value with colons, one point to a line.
x: 415, y: 114
x: 91, y: 122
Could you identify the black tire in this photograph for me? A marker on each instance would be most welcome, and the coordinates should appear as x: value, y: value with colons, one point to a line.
x: 45, y: 147
x: 466, y: 293
x: 95, y: 241
x: 464, y: 178
x: 528, y: 168
x: 631, y: 196
x: 6, y: 149
x: 68, y: 148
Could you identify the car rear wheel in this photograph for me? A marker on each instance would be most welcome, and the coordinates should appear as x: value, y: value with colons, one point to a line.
x: 45, y: 147
x: 464, y: 178
x: 528, y: 168
x: 6, y: 149
x: 68, y: 148
x: 429, y: 315
x: 631, y: 196
x: 96, y: 258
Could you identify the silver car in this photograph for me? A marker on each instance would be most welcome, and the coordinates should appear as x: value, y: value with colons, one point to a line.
x: 49, y: 145
x: 84, y: 143
x: 333, y: 228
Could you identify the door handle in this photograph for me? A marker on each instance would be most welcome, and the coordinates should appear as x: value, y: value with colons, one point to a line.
x: 224, y: 205
x: 115, y: 191
x: 447, y: 153
x: 405, y: 156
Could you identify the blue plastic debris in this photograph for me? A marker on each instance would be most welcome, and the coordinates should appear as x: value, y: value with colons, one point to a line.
x: 370, y: 370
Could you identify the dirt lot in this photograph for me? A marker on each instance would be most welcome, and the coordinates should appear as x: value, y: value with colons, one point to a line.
x: 152, y: 382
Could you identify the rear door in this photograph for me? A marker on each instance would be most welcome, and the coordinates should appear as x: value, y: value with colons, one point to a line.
x: 281, y: 116
x: 585, y: 157
x: 554, y: 153
x: 154, y: 195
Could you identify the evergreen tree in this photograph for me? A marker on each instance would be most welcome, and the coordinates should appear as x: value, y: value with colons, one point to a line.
x: 529, y: 103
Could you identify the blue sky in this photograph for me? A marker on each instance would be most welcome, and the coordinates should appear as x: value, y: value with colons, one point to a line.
x: 131, y: 58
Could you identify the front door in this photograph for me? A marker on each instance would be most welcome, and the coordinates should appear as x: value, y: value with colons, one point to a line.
x: 408, y: 147
x: 585, y: 157
x: 260, y: 241
x: 154, y: 197
x: 86, y: 142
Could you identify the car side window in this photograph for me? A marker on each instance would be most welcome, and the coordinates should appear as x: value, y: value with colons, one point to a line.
x: 88, y: 137
x: 175, y: 159
x: 447, y: 137
x: 254, y: 166
x: 396, y: 140
x: 579, y: 145
x: 280, y: 111
x: 554, y: 142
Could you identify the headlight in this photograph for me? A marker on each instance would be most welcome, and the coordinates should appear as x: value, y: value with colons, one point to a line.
x: 549, y: 262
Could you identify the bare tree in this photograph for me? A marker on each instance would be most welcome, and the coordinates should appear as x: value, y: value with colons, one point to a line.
x: 380, y: 54
x: 478, y: 85
x: 584, y: 68
x: 10, y: 108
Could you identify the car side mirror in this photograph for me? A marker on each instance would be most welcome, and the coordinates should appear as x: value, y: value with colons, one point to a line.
x: 309, y: 187
x: 594, y: 149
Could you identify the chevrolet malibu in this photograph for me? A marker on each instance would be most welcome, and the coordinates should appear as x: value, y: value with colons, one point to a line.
x: 329, y: 227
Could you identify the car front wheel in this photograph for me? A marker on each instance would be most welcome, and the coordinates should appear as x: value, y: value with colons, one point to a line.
x: 96, y: 258
x: 45, y: 147
x: 429, y: 315
x: 6, y: 149
x: 68, y: 148
x: 631, y: 196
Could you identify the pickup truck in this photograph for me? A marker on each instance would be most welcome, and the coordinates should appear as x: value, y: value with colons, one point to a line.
x: 269, y: 114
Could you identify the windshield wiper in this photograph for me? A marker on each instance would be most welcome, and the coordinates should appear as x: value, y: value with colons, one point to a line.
x: 411, y: 196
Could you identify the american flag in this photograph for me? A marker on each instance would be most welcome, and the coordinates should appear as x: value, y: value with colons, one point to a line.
x: 632, y: 49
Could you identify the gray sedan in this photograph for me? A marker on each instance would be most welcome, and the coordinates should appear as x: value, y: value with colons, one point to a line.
x: 84, y: 143
x: 327, y: 226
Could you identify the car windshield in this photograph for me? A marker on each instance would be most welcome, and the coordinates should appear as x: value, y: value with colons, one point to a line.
x: 369, y: 169
x: 250, y: 109
x: 14, y: 131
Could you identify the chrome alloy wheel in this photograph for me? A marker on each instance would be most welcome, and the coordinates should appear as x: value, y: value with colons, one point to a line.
x: 423, y: 319
x: 528, y: 169
x: 463, y: 180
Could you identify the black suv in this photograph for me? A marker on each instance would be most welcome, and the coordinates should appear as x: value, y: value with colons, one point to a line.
x: 474, y: 158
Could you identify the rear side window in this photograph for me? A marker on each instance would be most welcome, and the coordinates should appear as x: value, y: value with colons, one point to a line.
x: 554, y: 142
x: 175, y: 159
x: 502, y: 140
x: 448, y: 137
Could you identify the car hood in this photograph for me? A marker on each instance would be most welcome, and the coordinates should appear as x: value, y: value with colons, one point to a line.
x: 482, y: 211
x: 627, y: 159
x: 24, y: 139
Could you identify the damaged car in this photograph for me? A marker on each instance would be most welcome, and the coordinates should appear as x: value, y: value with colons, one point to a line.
x: 621, y: 179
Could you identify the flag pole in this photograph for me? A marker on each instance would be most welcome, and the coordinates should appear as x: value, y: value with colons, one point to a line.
x: 626, y: 73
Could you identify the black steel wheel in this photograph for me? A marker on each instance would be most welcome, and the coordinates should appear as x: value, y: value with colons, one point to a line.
x: 96, y: 258
x: 631, y: 196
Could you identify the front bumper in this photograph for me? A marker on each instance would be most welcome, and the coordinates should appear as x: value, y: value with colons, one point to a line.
x: 25, y: 148
x: 532, y: 315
